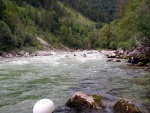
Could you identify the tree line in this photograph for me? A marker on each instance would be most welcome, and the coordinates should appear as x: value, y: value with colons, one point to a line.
x: 114, y: 23
x: 96, y: 10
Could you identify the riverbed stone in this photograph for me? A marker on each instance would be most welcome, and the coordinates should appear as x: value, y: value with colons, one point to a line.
x: 82, y: 101
x: 116, y: 60
x: 113, y: 60
x: 125, y: 106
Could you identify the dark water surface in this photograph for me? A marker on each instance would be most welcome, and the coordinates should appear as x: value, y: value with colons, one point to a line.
x: 24, y: 81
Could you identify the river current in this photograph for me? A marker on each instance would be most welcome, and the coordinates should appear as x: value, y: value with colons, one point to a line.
x: 24, y: 81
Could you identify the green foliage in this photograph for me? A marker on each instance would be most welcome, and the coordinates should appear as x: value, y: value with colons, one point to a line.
x: 140, y: 64
x: 104, y: 35
x: 49, y: 20
x: 10, y: 16
x: 7, y: 41
x: 143, y: 18
x: 2, y: 8
x: 22, y: 20
x: 64, y: 30
x: 96, y: 10
x: 133, y: 22
x: 27, y: 21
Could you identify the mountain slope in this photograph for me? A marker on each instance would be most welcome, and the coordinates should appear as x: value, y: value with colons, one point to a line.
x: 76, y: 16
x: 96, y: 10
x: 22, y: 21
x: 133, y: 22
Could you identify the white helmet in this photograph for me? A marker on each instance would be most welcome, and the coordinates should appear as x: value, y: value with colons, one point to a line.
x: 44, y: 106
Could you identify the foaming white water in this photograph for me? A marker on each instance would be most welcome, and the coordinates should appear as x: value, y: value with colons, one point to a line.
x: 19, y: 62
x: 56, y: 59
x: 52, y: 60
x: 85, y: 56
x: 91, y: 57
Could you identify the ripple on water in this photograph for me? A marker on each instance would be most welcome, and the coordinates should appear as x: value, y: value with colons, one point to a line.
x: 26, y: 80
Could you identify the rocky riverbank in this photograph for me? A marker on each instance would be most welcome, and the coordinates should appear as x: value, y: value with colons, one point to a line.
x: 27, y: 54
x: 140, y: 55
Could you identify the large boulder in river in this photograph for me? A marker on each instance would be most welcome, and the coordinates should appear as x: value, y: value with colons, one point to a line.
x: 125, y: 106
x: 141, y: 54
x: 82, y: 101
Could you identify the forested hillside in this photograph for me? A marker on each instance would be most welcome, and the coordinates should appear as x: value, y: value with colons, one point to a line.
x: 132, y: 22
x: 96, y: 10
x: 85, y: 24
x: 22, y: 20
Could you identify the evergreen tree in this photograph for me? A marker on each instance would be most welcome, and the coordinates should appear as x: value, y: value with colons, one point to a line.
x: 7, y: 41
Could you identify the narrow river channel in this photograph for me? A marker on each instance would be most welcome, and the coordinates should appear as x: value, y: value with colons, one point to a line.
x: 24, y: 81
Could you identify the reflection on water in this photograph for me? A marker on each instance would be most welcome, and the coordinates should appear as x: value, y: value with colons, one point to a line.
x: 26, y: 80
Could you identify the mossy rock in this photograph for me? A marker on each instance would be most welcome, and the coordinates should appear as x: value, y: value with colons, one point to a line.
x: 140, y: 64
x: 125, y: 106
x: 82, y: 101
x: 145, y: 60
x: 98, y: 102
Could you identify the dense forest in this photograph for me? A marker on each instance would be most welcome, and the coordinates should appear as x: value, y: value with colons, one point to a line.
x: 132, y: 21
x: 96, y: 10
x: 78, y: 24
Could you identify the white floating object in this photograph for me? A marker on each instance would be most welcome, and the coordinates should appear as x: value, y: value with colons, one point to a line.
x: 44, y: 106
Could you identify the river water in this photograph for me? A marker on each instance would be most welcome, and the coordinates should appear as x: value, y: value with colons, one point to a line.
x: 24, y: 81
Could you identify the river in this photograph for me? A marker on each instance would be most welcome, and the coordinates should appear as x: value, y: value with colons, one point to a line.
x: 24, y: 81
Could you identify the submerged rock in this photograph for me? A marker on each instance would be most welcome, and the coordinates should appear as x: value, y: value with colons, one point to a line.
x: 113, y: 60
x: 116, y: 60
x: 82, y: 101
x: 125, y: 106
